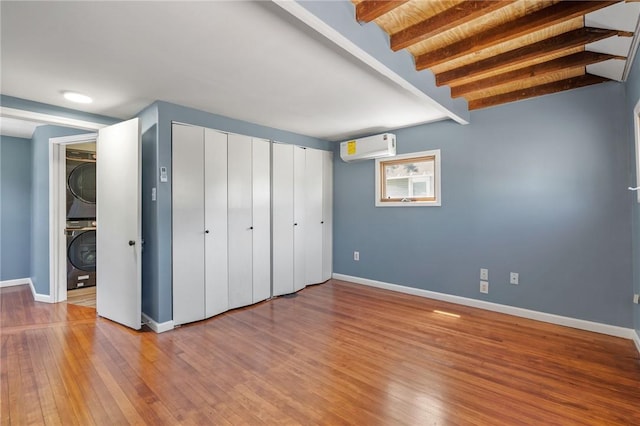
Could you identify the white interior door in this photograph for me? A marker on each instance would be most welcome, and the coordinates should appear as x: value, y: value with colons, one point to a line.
x: 188, y: 223
x: 299, y: 217
x: 261, y: 181
x: 119, y: 224
x: 240, y: 221
x: 313, y: 208
x: 282, y: 200
x: 327, y: 215
x: 215, y: 199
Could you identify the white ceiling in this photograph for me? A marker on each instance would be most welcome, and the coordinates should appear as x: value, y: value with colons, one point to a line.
x: 16, y: 127
x: 246, y: 60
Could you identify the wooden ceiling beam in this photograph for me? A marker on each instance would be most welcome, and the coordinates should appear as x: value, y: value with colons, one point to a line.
x: 580, y: 59
x: 531, y: 92
x: 559, y: 43
x: 368, y: 10
x: 548, y: 16
x: 457, y: 15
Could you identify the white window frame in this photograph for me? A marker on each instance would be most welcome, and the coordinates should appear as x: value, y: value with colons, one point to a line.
x: 636, y: 128
x: 437, y: 176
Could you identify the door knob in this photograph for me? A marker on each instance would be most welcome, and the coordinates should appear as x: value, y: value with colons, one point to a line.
x: 251, y: 227
x: 295, y: 224
x: 322, y: 222
x: 132, y: 243
x: 206, y: 231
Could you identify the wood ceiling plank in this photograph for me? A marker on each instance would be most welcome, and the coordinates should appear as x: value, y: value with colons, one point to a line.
x: 551, y: 15
x: 542, y: 48
x: 367, y: 11
x: 531, y: 92
x: 450, y: 18
x: 570, y: 61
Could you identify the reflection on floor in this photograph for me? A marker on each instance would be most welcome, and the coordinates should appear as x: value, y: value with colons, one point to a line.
x: 82, y: 296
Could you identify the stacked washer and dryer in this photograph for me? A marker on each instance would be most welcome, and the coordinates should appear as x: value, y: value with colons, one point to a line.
x: 81, y: 217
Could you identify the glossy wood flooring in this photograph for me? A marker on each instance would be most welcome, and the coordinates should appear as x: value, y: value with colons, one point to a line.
x: 336, y: 353
x: 82, y: 297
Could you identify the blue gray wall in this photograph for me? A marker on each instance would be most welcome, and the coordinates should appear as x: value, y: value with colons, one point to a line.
x: 39, y: 181
x: 15, y: 208
x: 535, y: 187
x: 150, y: 268
x: 157, y: 296
x: 633, y: 97
x: 40, y: 203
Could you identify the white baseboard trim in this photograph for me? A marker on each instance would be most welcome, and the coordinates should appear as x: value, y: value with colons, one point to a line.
x: 11, y: 283
x: 636, y: 339
x: 39, y: 297
x: 612, y: 330
x: 155, y: 326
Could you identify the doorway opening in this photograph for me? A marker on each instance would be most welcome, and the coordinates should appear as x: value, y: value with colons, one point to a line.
x: 81, y: 200
x: 73, y: 204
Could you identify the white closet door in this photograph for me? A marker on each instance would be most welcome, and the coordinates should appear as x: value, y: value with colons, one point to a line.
x: 313, y: 209
x: 282, y: 204
x: 327, y: 215
x: 240, y: 221
x: 261, y: 181
x: 299, y: 190
x: 216, y: 287
x: 188, y: 223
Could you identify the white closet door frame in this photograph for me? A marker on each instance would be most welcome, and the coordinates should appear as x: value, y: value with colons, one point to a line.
x: 299, y: 218
x: 188, y: 223
x: 261, y: 212
x: 240, y: 221
x: 282, y: 209
x: 216, y: 284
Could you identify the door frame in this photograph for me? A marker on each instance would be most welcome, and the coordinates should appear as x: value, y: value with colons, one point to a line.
x: 58, y: 214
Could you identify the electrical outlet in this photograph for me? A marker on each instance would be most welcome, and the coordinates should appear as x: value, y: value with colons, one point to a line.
x: 484, y: 274
x: 635, y: 298
x: 514, y: 278
x: 484, y: 286
x: 356, y: 255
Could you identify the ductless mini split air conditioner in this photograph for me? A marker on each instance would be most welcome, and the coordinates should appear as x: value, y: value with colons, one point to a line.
x: 368, y: 148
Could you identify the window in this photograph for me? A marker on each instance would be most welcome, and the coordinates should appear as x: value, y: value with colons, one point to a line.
x: 409, y: 180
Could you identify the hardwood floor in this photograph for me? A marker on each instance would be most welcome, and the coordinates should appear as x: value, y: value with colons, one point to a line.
x: 336, y: 353
x: 82, y: 296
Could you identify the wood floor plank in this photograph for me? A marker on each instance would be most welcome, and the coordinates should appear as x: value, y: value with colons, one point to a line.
x: 338, y: 354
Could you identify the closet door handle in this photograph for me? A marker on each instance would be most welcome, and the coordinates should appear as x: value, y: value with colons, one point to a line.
x: 295, y: 224
x: 251, y: 227
x: 206, y: 231
x: 132, y: 243
x: 322, y: 222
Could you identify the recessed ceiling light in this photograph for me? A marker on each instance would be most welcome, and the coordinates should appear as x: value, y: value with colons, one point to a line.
x: 77, y: 97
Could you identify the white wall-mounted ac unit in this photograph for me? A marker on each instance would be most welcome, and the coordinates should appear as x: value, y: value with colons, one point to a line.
x: 377, y: 146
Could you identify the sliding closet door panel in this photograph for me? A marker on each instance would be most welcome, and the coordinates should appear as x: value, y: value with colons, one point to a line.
x: 188, y: 223
x: 282, y: 202
x: 240, y: 221
x: 327, y: 215
x: 261, y: 163
x: 215, y: 207
x: 313, y: 212
x: 299, y: 219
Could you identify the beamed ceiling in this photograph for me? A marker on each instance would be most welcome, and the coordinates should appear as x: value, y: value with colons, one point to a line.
x: 495, y: 52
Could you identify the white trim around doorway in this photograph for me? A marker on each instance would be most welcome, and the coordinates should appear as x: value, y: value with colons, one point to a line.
x: 57, y: 213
